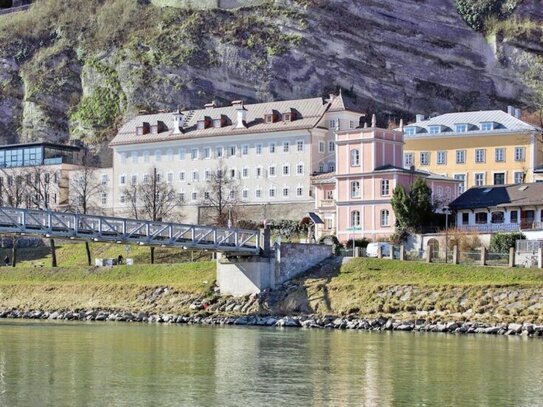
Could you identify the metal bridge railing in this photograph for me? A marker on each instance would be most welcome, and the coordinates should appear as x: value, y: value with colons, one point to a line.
x: 128, y: 231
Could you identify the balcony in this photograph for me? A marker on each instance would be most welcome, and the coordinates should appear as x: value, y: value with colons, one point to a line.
x: 327, y: 203
x: 502, y: 227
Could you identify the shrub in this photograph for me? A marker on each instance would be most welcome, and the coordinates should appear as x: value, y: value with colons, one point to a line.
x: 476, y: 12
x: 358, y: 243
x: 466, y: 241
x: 502, y: 242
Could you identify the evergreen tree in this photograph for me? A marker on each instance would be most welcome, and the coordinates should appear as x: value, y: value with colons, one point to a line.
x: 413, y: 210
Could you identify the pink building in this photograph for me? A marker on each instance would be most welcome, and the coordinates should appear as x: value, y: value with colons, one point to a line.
x: 355, y: 200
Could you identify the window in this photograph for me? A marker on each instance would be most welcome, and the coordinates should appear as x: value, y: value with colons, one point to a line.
x: 169, y: 177
x: 285, y: 147
x: 355, y: 189
x: 462, y: 184
x: 217, y: 123
x: 272, y: 148
x: 331, y: 167
x: 194, y: 153
x: 170, y: 154
x: 434, y: 129
x: 258, y: 171
x: 442, y: 157
x: 258, y: 193
x: 201, y: 124
x: 385, y: 187
x: 232, y: 173
x: 321, y: 146
x: 146, y: 178
x: 286, y: 169
x: 439, y: 192
x: 333, y: 124
x: 181, y: 175
x: 460, y: 156
x: 268, y: 118
x: 497, y: 217
x: 352, y: 124
x: 134, y: 156
x: 206, y: 195
x: 514, y: 216
x: 355, y: 158
x: 207, y: 175
x: 465, y: 218
x: 331, y: 146
x: 487, y: 126
x: 385, y: 217
x: 181, y: 153
x: 103, y: 179
x: 123, y: 157
x: 231, y: 151
x: 123, y: 180
x: 104, y: 198
x: 408, y: 159
x: 355, y: 218
x: 122, y: 198
x: 245, y: 194
x: 479, y: 179
x: 287, y: 117
x: 519, y: 153
x: 158, y: 155
x: 321, y: 167
x: 207, y: 153
x: 300, y: 169
x: 299, y: 191
x: 499, y: 178
x: 271, y: 192
x: 518, y: 177
x: 258, y: 149
x: 134, y: 180
x: 194, y: 196
x: 245, y: 172
x: 285, y: 192
x: 480, y: 155
x: 461, y: 128
x: 218, y: 152
x: 300, y: 145
x: 425, y: 158
x: 181, y: 196
x: 410, y: 131
x: 245, y: 149
x: 500, y: 155
x: 271, y: 170
x: 481, y: 217
x: 195, y: 176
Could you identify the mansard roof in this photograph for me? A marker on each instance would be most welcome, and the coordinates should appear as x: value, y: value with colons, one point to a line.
x: 307, y: 114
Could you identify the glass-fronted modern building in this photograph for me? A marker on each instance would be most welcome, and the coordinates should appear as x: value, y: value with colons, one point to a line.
x: 33, y: 154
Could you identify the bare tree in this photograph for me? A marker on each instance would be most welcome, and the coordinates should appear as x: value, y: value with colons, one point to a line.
x: 220, y: 195
x: 13, y: 193
x: 42, y: 187
x: 153, y: 199
x: 85, y: 190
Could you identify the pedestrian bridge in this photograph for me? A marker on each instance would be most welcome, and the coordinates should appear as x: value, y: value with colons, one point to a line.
x: 63, y: 225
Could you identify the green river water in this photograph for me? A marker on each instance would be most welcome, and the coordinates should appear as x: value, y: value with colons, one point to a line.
x: 122, y: 364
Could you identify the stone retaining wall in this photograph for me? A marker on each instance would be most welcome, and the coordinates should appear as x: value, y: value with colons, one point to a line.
x: 207, y: 4
x: 292, y: 259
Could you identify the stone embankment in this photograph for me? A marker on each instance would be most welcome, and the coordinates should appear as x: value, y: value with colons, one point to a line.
x: 299, y: 321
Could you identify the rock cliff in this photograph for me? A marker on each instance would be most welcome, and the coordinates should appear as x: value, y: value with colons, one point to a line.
x: 76, y: 69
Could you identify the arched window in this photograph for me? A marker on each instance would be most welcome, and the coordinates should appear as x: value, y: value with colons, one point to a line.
x: 385, y: 217
x: 355, y: 189
x: 355, y: 218
x: 355, y: 158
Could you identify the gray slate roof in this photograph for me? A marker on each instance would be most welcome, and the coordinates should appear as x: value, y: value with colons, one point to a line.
x: 514, y: 195
x: 308, y: 113
x: 504, y: 122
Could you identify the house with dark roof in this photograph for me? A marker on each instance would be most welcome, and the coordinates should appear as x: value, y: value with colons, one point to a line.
x: 500, y: 208
x: 477, y: 148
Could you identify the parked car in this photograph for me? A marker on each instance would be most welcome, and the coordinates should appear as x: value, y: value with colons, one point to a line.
x: 373, y: 249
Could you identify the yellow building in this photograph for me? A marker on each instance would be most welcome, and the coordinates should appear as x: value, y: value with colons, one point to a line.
x: 477, y: 148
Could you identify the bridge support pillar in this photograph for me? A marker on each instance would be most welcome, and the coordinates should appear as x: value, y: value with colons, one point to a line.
x: 244, y: 275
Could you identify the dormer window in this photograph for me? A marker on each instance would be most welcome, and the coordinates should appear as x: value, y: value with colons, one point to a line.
x: 268, y: 118
x: 487, y: 126
x: 461, y: 128
x: 434, y: 129
x: 287, y: 117
x: 410, y: 131
x: 142, y: 130
x: 217, y: 123
x: 201, y: 125
x: 154, y: 129
x: 139, y: 131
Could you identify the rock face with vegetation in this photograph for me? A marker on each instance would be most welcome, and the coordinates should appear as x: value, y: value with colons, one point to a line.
x: 77, y: 69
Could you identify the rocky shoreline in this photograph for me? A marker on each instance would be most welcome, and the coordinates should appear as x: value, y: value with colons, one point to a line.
x: 298, y: 321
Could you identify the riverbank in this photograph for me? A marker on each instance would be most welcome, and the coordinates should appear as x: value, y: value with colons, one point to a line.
x: 368, y: 294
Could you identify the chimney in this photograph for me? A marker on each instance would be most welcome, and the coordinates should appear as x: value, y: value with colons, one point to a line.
x: 518, y: 113
x: 178, y: 122
x: 241, y: 120
x: 419, y: 118
x: 373, y: 120
x: 511, y: 110
x: 401, y: 124
x: 211, y: 105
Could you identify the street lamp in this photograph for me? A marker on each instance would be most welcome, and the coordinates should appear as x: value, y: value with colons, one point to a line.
x: 447, y: 211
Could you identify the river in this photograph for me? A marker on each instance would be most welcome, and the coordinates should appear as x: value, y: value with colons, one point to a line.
x: 121, y: 364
